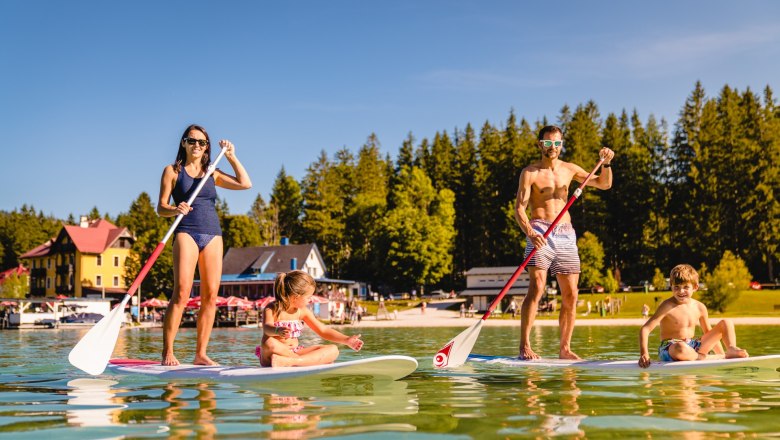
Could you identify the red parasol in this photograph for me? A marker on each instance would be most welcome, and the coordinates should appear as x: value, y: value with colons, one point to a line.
x: 263, y: 302
x: 194, y: 303
x: 155, y: 303
x: 234, y: 301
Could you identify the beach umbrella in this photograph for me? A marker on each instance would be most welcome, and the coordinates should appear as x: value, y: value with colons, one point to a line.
x: 316, y: 299
x: 263, y: 302
x: 234, y: 301
x: 194, y: 303
x: 154, y: 303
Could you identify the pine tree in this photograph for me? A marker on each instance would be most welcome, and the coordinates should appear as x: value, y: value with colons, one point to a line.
x: 288, y: 202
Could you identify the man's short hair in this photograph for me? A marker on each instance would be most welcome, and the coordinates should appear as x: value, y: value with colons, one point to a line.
x: 683, y: 273
x: 549, y: 129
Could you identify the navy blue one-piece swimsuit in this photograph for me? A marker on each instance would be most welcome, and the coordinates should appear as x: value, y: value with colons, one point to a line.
x: 202, y: 223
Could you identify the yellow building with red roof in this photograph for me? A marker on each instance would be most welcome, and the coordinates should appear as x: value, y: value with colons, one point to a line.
x: 83, y: 260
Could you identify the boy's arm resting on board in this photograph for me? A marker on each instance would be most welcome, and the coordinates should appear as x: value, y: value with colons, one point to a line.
x: 330, y: 334
x: 644, y: 334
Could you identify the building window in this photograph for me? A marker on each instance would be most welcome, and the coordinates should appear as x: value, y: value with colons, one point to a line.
x: 48, y: 263
x: 99, y: 260
x: 99, y: 280
x: 116, y: 281
x: 48, y: 283
x: 116, y: 260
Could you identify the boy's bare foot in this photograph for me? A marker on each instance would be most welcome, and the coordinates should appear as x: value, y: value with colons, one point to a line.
x: 204, y: 360
x: 282, y: 361
x: 568, y: 354
x: 735, y: 352
x: 169, y: 360
x: 526, y: 354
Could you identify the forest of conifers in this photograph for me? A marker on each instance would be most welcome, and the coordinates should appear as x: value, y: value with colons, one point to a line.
x: 443, y: 205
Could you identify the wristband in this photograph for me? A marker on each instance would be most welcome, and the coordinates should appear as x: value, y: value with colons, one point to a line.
x: 607, y: 165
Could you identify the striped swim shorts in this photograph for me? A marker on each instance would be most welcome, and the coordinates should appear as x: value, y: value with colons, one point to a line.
x: 560, y: 254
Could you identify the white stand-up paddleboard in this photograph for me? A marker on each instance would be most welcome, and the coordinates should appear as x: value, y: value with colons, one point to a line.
x: 749, y: 364
x: 378, y: 368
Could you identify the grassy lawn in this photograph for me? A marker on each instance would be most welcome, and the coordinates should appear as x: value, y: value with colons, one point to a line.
x: 749, y: 303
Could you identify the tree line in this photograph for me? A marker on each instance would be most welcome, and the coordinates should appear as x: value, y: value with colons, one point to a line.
x: 445, y: 204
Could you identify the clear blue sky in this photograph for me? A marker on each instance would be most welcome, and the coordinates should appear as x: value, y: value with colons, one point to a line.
x: 94, y: 94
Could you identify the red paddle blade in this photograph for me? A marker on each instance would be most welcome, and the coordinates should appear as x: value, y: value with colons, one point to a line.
x: 455, y: 353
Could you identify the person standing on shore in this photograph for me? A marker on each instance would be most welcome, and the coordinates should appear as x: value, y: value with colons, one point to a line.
x: 544, y: 188
x: 198, y: 237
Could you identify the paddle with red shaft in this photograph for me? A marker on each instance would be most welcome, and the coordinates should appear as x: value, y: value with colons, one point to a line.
x: 93, y: 351
x: 455, y: 353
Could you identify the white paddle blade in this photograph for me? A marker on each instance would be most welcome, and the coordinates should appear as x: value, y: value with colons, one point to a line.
x: 455, y: 353
x: 93, y: 351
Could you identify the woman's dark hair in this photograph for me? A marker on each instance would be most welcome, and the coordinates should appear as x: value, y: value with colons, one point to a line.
x: 181, y: 155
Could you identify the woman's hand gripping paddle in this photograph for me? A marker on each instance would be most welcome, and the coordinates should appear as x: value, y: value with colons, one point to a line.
x: 455, y: 353
x: 93, y: 351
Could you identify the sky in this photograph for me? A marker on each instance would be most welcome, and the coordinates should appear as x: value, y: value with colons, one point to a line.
x: 94, y: 95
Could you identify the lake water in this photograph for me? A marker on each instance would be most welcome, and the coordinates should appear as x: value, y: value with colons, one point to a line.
x: 42, y: 396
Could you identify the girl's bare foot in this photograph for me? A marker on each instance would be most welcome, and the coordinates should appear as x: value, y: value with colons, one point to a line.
x: 204, y: 360
x: 735, y: 352
x: 168, y: 359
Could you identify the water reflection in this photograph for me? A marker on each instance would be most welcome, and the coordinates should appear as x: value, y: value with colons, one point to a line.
x: 93, y: 403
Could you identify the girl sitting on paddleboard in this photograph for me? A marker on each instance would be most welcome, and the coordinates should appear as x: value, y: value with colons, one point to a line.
x: 283, y: 323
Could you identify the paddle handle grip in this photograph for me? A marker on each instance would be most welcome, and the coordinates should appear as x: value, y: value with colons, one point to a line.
x: 549, y: 230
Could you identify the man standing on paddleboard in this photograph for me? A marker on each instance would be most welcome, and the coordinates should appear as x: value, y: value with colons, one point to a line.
x: 544, y: 189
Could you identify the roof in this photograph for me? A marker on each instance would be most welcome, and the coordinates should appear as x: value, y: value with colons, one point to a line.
x: 98, y: 236
x: 94, y: 238
x: 39, y: 251
x: 18, y: 270
x: 266, y: 259
x: 501, y: 270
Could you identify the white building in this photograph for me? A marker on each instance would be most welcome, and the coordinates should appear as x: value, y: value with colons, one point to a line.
x: 483, y: 284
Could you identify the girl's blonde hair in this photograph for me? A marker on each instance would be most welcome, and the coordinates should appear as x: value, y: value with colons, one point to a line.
x: 289, y: 284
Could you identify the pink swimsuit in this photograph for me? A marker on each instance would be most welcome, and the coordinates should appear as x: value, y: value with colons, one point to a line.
x: 296, y: 329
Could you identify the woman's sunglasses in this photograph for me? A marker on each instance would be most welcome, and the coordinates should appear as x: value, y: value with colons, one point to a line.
x: 193, y: 141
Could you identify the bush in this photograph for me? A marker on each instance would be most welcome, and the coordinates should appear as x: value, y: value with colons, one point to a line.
x: 725, y: 282
x: 659, y: 280
x: 610, y: 283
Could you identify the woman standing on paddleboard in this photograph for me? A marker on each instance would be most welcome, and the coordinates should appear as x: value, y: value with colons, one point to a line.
x: 198, y: 238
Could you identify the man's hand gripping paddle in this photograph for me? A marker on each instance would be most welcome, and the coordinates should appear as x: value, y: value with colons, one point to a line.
x: 93, y: 351
x: 455, y: 353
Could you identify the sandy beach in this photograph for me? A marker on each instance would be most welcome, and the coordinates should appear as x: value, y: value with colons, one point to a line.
x: 437, y: 315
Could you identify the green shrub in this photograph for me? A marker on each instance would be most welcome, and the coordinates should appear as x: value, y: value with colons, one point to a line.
x: 724, y: 284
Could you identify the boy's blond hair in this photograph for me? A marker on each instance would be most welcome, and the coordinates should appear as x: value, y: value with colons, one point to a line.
x: 683, y: 273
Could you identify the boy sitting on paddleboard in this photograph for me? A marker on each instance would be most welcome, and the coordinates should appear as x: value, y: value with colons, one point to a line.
x: 678, y: 316
x: 283, y: 323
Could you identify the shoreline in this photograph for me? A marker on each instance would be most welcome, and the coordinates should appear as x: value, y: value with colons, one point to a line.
x: 437, y: 315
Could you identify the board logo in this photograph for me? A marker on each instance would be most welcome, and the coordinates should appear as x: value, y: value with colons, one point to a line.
x: 442, y: 357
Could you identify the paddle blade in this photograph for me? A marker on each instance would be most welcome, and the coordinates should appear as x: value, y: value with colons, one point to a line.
x: 455, y: 353
x: 93, y: 351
